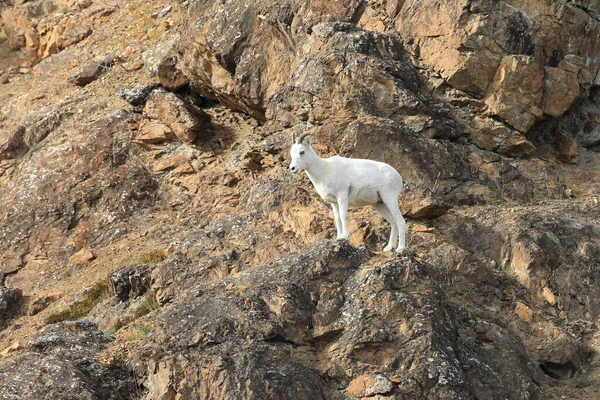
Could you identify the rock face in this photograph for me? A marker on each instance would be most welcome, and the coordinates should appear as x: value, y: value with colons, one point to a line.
x: 302, y: 326
x: 485, y: 50
x: 60, y: 362
x: 9, y: 302
x: 168, y: 178
x: 36, y: 29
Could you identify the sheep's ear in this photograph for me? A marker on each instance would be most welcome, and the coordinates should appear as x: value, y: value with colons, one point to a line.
x: 294, y: 138
x: 307, y: 140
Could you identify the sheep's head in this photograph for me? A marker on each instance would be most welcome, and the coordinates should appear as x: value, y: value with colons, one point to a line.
x: 300, y: 152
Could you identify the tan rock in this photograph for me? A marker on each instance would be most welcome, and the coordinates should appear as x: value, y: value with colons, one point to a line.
x: 184, y: 169
x: 185, y: 121
x: 548, y: 295
x: 568, y: 150
x: 496, y: 136
x: 170, y: 77
x: 516, y: 92
x: 524, y: 312
x: 83, y: 256
x: 167, y: 163
x: 489, y: 134
x: 12, y: 348
x: 153, y: 132
x: 463, y: 51
x: 517, y: 146
x: 11, y: 261
x: 369, y: 385
x: 42, y: 301
x: 371, y: 20
x: 561, y: 89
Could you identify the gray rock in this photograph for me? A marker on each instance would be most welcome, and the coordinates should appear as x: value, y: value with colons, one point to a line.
x: 61, y: 364
x: 135, y: 95
x: 130, y: 282
x: 9, y: 301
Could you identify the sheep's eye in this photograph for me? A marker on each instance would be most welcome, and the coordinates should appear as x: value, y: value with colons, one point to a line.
x: 302, y: 152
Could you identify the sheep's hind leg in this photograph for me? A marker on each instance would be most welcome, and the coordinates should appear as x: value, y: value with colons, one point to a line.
x: 336, y: 217
x: 343, y: 212
x: 393, y: 241
x: 391, y: 202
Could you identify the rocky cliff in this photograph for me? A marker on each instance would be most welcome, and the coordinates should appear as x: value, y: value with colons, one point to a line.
x: 154, y: 246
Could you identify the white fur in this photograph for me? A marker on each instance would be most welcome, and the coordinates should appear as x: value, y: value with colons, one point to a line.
x: 350, y: 182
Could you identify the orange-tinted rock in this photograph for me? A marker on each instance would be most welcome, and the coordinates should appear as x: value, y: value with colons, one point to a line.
x: 170, y: 77
x: 561, y: 89
x: 83, y: 256
x: 184, y: 120
x: 153, y: 132
x: 369, y: 385
x: 568, y: 150
x: 516, y: 92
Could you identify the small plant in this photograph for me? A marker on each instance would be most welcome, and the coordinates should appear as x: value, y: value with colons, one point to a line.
x: 149, y: 305
x: 81, y: 308
x: 138, y: 332
x: 580, y: 381
x: 153, y: 257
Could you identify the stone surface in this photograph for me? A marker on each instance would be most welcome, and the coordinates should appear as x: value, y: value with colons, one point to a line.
x: 154, y: 132
x: 136, y: 95
x: 170, y: 77
x: 91, y: 71
x: 9, y: 303
x: 83, y: 256
x: 561, y: 89
x: 130, y: 282
x: 60, y: 363
x: 422, y: 204
x: 568, y: 150
x: 185, y: 121
x: 369, y: 385
x: 516, y: 92
x: 264, y: 315
x: 42, y: 302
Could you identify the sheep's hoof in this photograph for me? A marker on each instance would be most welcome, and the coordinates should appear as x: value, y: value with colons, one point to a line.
x: 388, y: 248
x: 400, y: 251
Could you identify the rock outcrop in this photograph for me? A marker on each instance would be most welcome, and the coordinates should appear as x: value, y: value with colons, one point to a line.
x: 61, y: 363
x: 154, y: 202
x: 315, y: 324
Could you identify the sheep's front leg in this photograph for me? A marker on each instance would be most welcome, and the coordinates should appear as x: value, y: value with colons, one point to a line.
x: 336, y: 217
x: 343, y: 215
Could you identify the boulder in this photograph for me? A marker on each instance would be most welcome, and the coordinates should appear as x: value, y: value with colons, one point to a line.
x: 153, y: 132
x: 91, y: 71
x: 304, y: 322
x: 60, y: 363
x: 170, y: 77
x: 185, y: 121
x: 516, y: 92
x: 130, y: 282
x: 568, y: 150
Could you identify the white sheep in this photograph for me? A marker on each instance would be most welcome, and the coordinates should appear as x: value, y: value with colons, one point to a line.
x: 345, y: 182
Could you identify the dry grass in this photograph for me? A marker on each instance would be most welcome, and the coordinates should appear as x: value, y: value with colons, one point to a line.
x: 81, y: 308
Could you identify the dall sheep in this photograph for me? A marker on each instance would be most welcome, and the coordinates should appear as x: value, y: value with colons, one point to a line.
x: 345, y: 182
